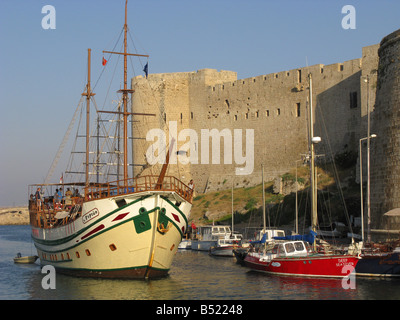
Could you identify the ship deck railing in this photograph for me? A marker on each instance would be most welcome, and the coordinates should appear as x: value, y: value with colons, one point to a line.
x: 43, y: 213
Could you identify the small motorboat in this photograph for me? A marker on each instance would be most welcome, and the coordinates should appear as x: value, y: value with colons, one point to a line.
x: 27, y: 259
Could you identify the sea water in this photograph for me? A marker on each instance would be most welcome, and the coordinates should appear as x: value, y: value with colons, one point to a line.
x: 193, y: 276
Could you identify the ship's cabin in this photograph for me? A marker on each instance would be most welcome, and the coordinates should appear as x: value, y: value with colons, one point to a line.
x: 291, y: 249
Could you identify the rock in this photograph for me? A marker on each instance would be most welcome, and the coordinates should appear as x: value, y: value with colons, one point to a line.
x: 286, y: 187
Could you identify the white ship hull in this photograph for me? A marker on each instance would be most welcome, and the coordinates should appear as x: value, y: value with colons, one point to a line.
x: 136, y: 240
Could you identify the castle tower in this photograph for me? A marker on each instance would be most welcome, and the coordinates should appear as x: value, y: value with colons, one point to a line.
x: 385, y: 150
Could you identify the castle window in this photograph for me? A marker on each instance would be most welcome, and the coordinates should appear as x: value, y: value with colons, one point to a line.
x: 353, y: 100
x: 321, y: 70
x: 246, y: 115
x: 191, y: 115
x: 267, y: 113
x: 341, y: 67
x: 298, y: 109
x: 299, y: 75
x: 235, y: 117
x: 257, y: 114
x: 278, y: 112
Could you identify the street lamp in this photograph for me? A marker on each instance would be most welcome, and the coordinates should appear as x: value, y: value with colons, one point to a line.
x: 361, y: 188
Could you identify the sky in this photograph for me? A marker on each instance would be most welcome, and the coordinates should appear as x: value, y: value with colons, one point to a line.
x: 43, y: 71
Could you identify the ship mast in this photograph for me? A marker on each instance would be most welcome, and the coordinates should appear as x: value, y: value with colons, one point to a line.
x: 125, y: 91
x: 88, y: 95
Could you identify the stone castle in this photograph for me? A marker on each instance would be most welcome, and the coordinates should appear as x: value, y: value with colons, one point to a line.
x: 275, y: 107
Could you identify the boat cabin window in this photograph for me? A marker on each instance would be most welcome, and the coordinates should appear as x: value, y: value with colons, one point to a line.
x: 281, y: 250
x: 281, y: 234
x: 289, y: 247
x: 299, y: 246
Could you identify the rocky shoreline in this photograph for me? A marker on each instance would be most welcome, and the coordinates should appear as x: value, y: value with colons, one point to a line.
x: 14, y: 216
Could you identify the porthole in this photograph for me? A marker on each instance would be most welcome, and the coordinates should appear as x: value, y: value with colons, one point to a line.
x: 77, y: 254
x: 88, y: 252
x: 112, y: 247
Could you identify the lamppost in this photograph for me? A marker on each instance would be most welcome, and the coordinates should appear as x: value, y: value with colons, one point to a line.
x: 361, y: 189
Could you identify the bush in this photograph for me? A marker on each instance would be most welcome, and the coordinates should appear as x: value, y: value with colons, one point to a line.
x: 250, y: 204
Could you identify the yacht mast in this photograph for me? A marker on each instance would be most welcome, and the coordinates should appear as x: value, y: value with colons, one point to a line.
x: 313, y: 140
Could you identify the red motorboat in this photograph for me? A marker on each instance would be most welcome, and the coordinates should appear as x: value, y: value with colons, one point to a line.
x: 295, y: 258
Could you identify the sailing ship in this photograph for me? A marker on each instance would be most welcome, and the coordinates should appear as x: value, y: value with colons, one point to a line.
x: 296, y: 258
x: 127, y: 228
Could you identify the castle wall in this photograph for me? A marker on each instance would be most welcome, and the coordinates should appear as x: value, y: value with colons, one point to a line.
x: 275, y: 106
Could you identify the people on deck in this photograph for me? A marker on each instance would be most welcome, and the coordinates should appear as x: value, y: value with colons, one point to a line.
x: 191, y: 188
x: 68, y: 200
x: 38, y: 198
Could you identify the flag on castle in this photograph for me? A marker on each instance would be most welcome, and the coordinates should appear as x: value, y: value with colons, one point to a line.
x: 104, y: 61
x: 146, y: 69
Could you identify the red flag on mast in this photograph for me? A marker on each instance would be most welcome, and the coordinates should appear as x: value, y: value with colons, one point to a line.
x: 104, y: 61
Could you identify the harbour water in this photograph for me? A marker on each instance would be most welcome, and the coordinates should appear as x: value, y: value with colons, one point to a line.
x: 193, y: 276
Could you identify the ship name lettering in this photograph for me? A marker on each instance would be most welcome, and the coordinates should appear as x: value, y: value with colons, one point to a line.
x: 90, y: 215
